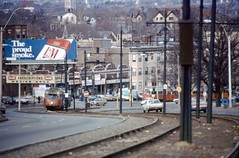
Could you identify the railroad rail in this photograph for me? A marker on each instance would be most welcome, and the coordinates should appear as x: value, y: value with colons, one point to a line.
x: 120, y: 143
x: 130, y: 141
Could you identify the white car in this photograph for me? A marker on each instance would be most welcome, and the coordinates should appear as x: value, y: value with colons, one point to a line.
x: 99, y: 102
x: 153, y: 104
x: 202, y: 107
x: 25, y: 100
x: 145, y: 100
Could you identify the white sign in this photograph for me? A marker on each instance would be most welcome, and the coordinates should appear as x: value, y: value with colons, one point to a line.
x: 97, y: 77
x: 33, y: 78
x: 165, y: 86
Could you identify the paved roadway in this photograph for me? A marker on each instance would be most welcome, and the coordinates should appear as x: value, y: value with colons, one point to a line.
x: 24, y: 128
x: 171, y: 107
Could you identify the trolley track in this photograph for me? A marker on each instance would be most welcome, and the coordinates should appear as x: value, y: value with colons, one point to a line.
x: 122, y: 142
x: 125, y: 142
x: 131, y: 141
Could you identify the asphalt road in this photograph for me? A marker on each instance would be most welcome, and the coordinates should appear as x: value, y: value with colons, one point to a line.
x: 171, y: 107
x: 24, y: 128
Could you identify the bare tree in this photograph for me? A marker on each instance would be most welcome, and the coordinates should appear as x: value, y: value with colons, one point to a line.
x: 224, y: 29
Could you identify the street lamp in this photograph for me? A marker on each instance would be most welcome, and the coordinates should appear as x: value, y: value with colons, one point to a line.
x: 229, y: 62
x: 1, y: 44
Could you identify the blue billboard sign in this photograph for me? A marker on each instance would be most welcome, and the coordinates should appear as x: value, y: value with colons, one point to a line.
x: 41, y: 49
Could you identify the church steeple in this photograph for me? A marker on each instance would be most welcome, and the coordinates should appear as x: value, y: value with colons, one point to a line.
x: 70, y: 6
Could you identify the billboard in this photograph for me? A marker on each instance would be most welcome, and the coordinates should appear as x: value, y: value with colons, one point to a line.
x: 41, y: 49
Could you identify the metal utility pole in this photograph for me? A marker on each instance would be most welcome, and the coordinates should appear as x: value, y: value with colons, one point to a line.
x: 74, y: 87
x: 199, y: 60
x: 1, y: 46
x: 211, y: 62
x: 186, y: 61
x: 121, y: 72
x: 165, y: 60
x: 66, y: 86
x: 85, y: 89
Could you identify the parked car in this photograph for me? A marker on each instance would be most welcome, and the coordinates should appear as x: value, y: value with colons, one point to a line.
x: 98, y: 102
x: 152, y: 104
x: 30, y: 99
x: 110, y: 97
x: 91, y: 98
x: 145, y: 100
x: 8, y: 100
x: 202, y: 107
x: 3, y: 109
x: 25, y: 100
x: 235, y: 101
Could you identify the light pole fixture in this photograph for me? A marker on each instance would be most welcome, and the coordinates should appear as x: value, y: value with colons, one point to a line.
x: 1, y: 45
x: 229, y: 66
x: 229, y: 61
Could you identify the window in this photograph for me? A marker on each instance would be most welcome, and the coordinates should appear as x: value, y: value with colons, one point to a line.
x: 134, y: 72
x: 146, y: 58
x: 140, y: 58
x: 134, y: 85
x: 152, y: 57
x: 97, y: 50
x: 9, y: 32
x: 134, y: 58
x: 146, y: 70
x: 24, y: 33
x: 158, y: 57
x: 140, y: 85
x: 152, y: 69
x: 171, y: 18
x: 18, y: 33
x: 140, y: 71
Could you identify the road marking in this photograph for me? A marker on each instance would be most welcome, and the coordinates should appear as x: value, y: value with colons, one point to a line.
x: 27, y: 126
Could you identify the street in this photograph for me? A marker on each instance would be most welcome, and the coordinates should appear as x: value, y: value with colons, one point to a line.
x: 25, y: 128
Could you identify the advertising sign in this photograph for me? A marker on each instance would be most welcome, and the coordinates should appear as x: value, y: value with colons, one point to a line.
x: 42, y: 49
x: 34, y: 78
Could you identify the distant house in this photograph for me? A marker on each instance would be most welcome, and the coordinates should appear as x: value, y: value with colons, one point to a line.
x: 69, y: 18
x: 139, y: 17
x: 171, y: 14
x: 90, y: 20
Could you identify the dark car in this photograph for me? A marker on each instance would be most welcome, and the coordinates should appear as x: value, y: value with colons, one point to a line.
x: 8, y: 100
x: 3, y: 109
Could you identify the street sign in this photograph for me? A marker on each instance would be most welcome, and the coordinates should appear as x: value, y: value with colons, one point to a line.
x: 165, y: 86
x: 86, y: 94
